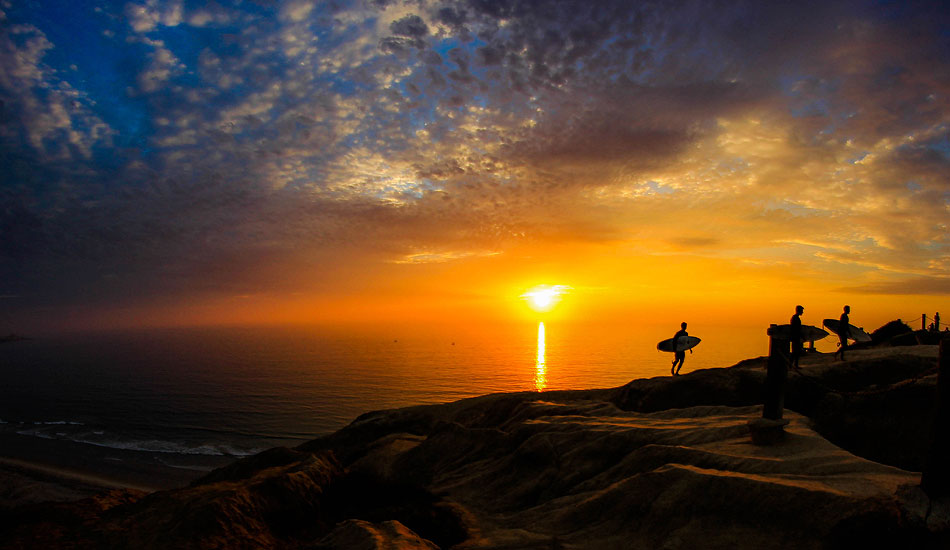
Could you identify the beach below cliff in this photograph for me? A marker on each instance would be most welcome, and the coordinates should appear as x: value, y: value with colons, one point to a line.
x: 665, y: 462
x: 34, y: 470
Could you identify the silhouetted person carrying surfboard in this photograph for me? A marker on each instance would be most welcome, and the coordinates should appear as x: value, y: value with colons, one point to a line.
x: 843, y: 332
x: 679, y: 356
x: 797, y: 340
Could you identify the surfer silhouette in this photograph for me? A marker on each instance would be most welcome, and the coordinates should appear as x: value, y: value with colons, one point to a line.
x: 679, y: 356
x: 843, y: 332
x: 797, y: 340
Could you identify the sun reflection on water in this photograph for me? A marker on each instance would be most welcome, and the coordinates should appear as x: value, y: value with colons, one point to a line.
x: 540, y: 375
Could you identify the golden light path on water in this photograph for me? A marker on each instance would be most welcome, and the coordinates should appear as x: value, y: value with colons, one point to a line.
x: 540, y: 375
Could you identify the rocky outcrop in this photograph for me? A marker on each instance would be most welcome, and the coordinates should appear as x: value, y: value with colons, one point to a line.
x: 282, y: 498
x: 878, y: 404
x: 889, y: 331
x: 659, y: 463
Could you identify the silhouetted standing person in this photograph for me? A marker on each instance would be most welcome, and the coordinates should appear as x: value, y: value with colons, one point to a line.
x: 796, y: 333
x: 843, y: 332
x: 678, y: 356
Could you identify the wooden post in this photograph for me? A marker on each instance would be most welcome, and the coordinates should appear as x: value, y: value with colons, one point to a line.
x: 775, y: 377
x: 935, y: 480
x: 770, y: 429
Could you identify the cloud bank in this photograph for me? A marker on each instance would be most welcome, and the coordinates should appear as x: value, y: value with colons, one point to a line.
x: 173, y: 149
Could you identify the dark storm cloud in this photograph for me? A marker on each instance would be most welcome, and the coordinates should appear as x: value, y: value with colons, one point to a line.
x: 411, y: 25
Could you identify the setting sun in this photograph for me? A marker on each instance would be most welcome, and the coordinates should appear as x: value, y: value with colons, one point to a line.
x: 545, y: 297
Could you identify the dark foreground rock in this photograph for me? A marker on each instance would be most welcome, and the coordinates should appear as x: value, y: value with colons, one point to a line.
x: 659, y: 463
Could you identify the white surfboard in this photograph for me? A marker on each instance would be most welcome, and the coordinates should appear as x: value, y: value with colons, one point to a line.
x: 685, y: 343
x: 855, y: 333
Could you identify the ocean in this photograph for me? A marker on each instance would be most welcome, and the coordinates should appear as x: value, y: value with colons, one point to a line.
x: 196, y: 398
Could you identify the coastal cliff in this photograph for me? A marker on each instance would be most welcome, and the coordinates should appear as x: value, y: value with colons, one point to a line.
x: 658, y: 463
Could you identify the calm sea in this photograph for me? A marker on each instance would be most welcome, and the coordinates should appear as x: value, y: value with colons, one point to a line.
x: 236, y: 391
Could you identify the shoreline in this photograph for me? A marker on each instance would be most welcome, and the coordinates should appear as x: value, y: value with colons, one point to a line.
x: 66, y: 475
x: 36, y: 470
x: 23, y: 483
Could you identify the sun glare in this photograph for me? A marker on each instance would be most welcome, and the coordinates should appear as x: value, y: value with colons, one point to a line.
x: 545, y: 297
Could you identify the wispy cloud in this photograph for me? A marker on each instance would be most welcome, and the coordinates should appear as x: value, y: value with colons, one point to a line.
x: 925, y: 286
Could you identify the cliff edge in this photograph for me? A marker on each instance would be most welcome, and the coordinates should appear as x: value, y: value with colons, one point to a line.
x: 658, y: 463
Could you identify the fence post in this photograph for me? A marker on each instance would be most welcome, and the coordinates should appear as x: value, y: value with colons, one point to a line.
x: 776, y: 376
x: 936, y: 476
x: 770, y: 429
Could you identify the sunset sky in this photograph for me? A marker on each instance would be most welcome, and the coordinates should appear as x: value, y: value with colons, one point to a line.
x: 179, y: 163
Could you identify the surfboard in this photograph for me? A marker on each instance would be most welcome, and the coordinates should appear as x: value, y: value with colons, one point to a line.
x: 855, y: 333
x: 809, y: 333
x: 685, y: 343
